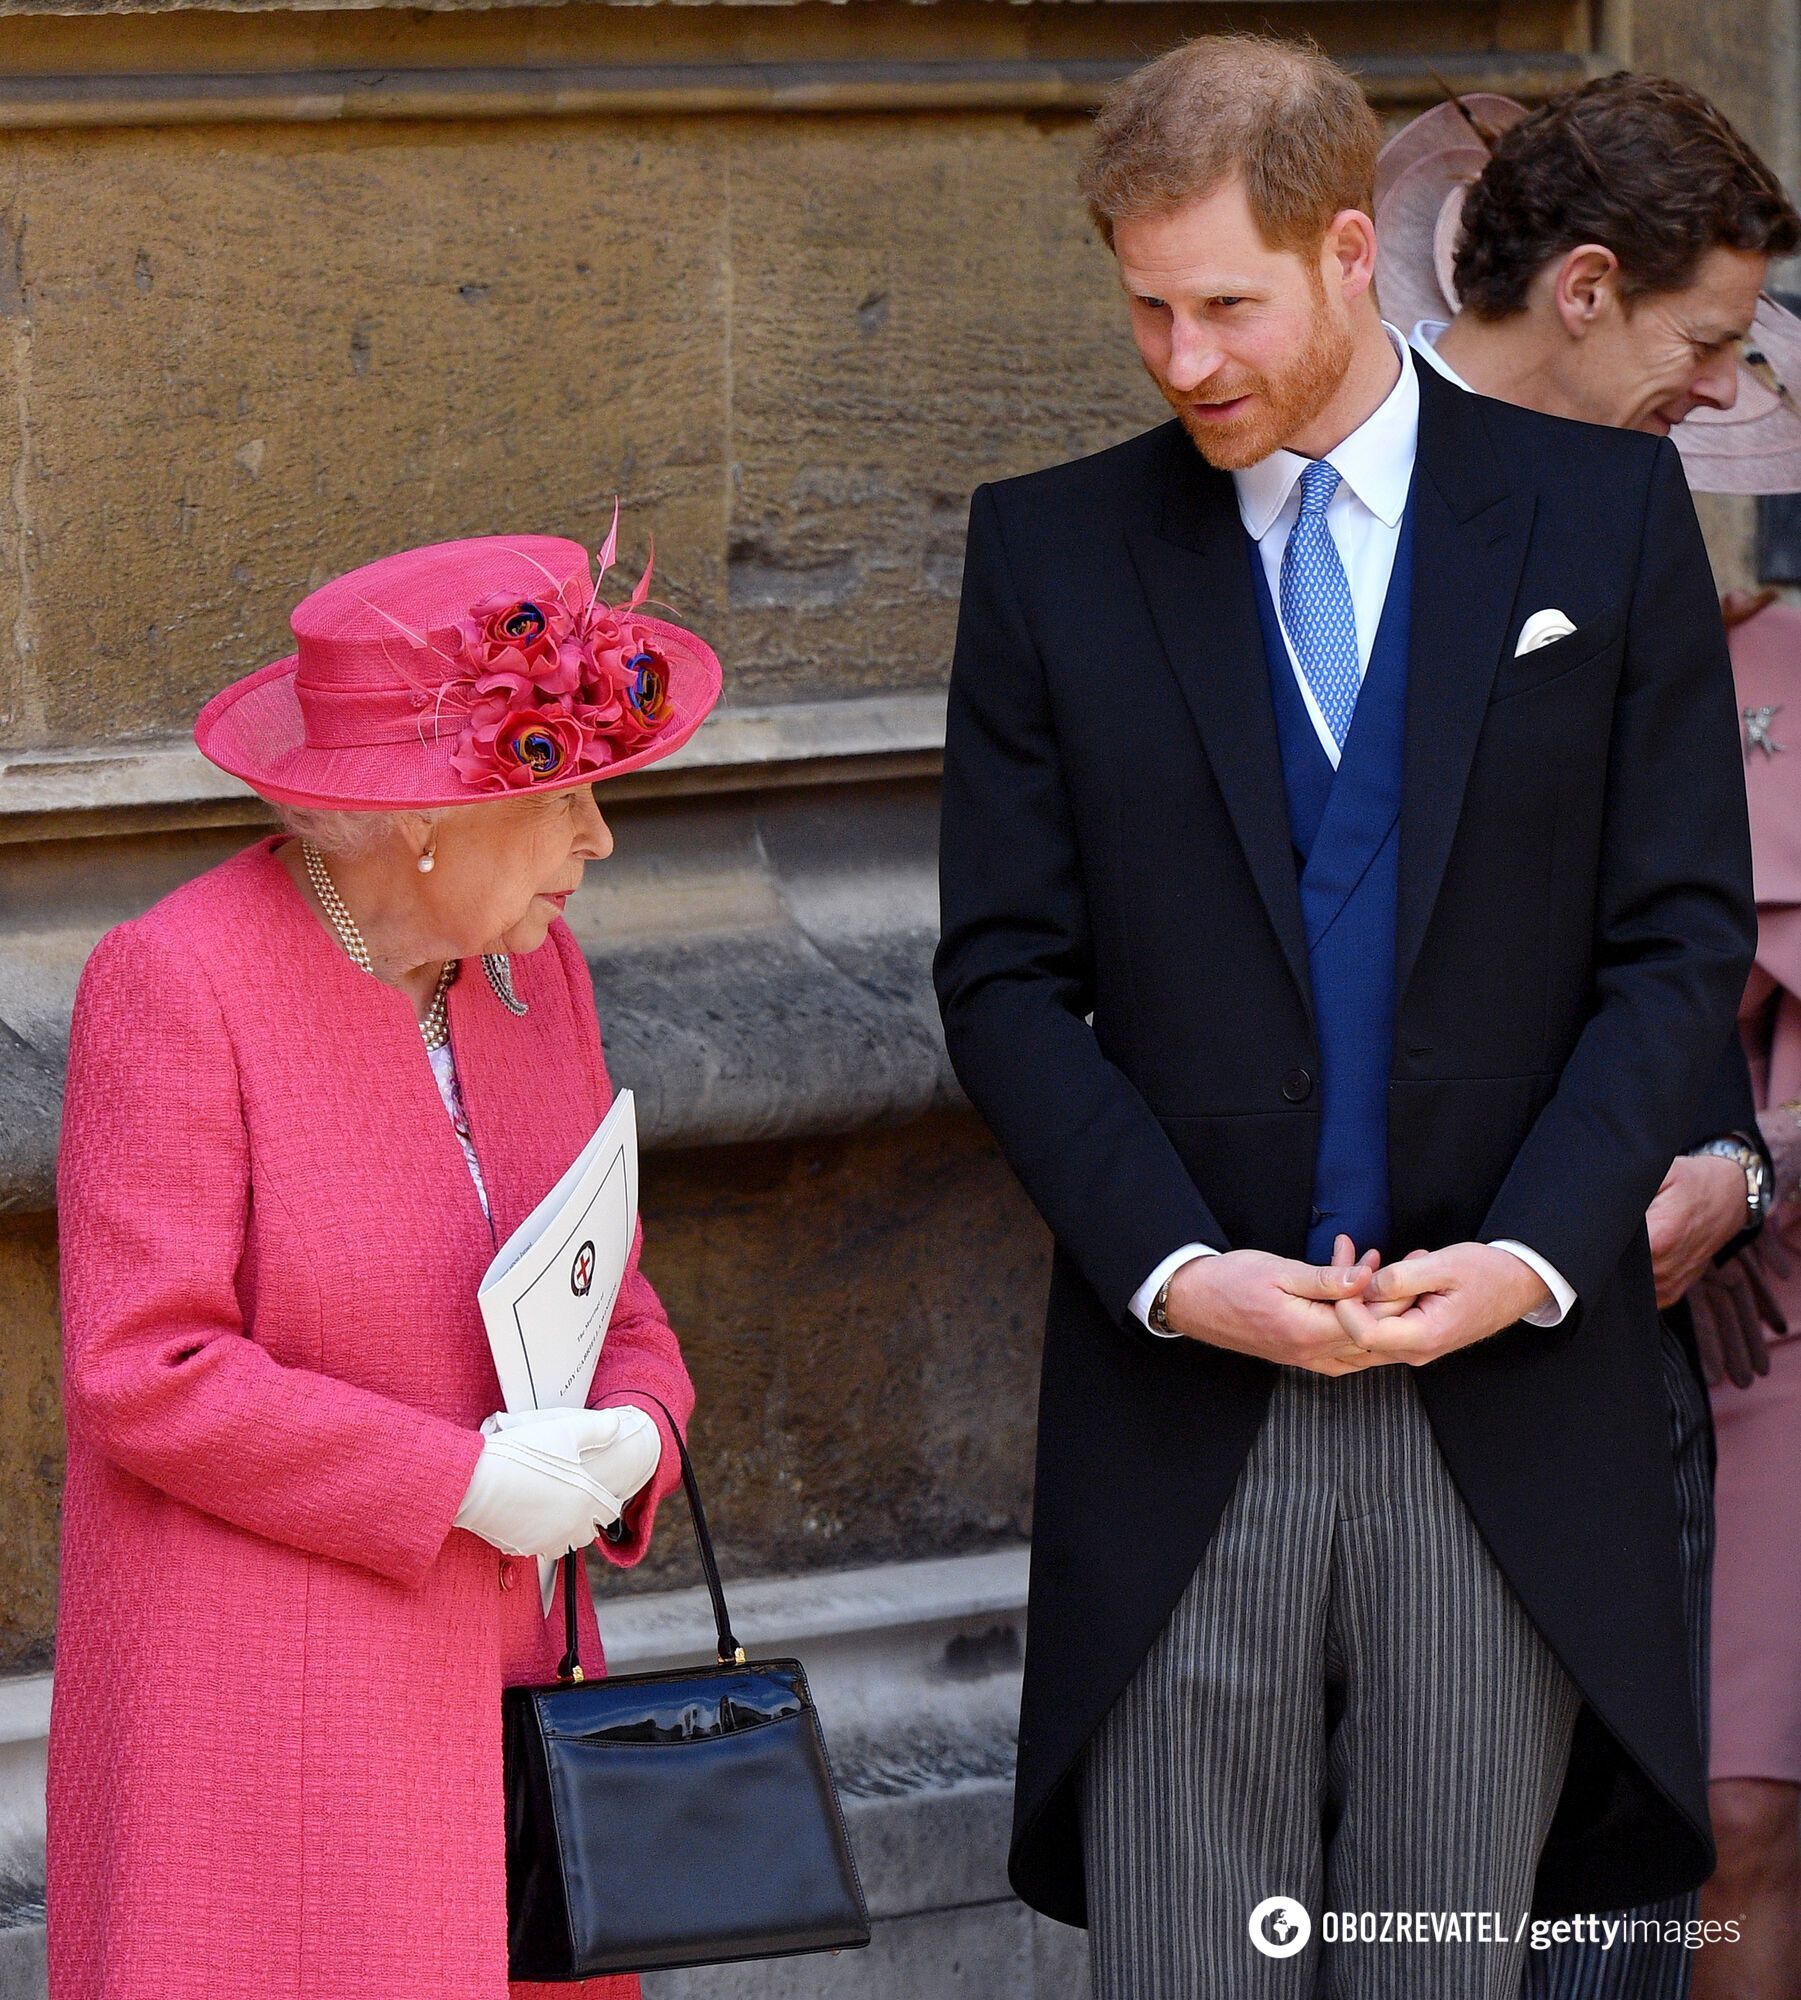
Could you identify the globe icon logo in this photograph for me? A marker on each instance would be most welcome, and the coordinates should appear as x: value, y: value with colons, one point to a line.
x: 1280, y: 1927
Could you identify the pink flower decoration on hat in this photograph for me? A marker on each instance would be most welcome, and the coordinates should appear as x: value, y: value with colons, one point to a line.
x: 553, y: 684
x: 511, y: 746
x: 630, y: 692
x: 502, y: 625
x: 648, y: 695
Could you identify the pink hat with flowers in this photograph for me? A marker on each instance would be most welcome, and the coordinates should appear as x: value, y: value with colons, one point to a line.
x: 459, y: 672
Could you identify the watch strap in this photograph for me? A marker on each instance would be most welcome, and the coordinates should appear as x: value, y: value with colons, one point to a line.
x: 1750, y: 1162
x: 1158, y: 1314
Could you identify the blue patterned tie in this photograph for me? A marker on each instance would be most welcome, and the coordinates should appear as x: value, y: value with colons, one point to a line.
x: 1316, y: 604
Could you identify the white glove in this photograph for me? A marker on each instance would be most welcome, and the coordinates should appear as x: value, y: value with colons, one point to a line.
x: 529, y: 1495
x: 619, y: 1449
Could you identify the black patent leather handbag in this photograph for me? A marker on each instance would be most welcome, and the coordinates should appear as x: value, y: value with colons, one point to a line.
x: 671, y: 1819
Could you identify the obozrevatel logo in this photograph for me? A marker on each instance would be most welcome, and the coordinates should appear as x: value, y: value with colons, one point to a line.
x: 1280, y: 1927
x: 581, y: 1272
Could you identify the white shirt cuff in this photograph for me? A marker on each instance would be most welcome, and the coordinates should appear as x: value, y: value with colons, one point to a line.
x: 1556, y: 1310
x: 1141, y: 1299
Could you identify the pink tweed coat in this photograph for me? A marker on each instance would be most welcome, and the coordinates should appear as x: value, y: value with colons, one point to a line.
x: 275, y: 1762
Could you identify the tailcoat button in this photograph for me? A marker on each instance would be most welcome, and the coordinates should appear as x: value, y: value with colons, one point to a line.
x: 1297, y: 1086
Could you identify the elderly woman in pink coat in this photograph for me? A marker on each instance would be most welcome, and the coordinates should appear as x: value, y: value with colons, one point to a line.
x: 310, y: 1093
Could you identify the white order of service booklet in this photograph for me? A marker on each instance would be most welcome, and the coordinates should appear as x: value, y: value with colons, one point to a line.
x: 548, y: 1295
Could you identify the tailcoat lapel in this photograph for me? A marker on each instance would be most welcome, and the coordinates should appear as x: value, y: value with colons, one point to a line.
x: 1470, y: 535
x: 1197, y: 580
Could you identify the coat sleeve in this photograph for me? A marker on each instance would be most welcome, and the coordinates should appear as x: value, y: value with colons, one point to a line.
x: 640, y: 1362
x: 160, y: 1371
x: 1729, y: 1110
x: 1014, y: 968
x: 1675, y: 925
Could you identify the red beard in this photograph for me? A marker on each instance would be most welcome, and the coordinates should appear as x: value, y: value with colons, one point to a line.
x: 1283, y: 404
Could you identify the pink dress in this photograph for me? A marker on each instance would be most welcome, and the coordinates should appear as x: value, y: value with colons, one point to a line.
x: 275, y: 1739
x: 1756, y: 1729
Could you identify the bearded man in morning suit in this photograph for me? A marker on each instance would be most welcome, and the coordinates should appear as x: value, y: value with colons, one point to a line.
x: 1346, y: 898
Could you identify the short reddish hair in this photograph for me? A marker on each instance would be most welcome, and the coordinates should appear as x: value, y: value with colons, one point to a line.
x: 1293, y: 126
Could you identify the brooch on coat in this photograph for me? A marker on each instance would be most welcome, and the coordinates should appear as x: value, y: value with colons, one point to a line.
x: 499, y: 969
x: 1757, y: 729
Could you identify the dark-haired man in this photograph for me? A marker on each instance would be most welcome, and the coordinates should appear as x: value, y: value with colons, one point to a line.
x: 1612, y: 255
x: 1286, y: 933
x: 1611, y: 259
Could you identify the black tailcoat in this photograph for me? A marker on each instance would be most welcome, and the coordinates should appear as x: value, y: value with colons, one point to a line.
x: 1123, y: 977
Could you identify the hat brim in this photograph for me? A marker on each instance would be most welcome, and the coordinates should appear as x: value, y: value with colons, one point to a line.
x: 1754, y: 447
x: 255, y: 730
x: 1416, y: 214
x: 1444, y: 128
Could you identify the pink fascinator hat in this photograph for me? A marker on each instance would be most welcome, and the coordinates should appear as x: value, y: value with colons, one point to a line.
x: 1422, y: 177
x: 459, y: 672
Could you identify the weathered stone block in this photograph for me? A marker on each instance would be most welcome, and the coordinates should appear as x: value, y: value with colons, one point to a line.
x: 983, y: 1951
x: 31, y: 1441
x: 917, y: 307
x: 253, y: 366
x: 862, y: 1318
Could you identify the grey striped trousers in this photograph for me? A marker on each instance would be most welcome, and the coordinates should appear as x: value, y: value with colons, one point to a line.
x: 1648, y: 1967
x: 1348, y: 1706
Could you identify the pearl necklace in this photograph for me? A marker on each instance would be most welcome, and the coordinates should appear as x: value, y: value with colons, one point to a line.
x: 435, y: 1027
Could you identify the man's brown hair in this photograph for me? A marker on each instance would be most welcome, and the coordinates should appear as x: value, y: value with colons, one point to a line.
x: 1643, y: 166
x: 1278, y: 115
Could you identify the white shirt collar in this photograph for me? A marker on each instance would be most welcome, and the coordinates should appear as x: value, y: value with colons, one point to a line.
x: 1424, y: 342
x: 1375, y: 461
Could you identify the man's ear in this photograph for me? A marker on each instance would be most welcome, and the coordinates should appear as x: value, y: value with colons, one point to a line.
x: 1585, y: 288
x: 1348, y: 253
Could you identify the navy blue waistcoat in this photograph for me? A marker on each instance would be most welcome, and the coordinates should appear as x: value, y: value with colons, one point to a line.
x: 1346, y: 828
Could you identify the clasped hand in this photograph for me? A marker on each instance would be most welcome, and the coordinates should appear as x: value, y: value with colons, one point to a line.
x: 1355, y: 1312
x: 549, y: 1480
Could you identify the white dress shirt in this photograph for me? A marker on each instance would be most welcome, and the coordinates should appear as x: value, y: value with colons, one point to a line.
x: 1375, y: 469
x: 1424, y: 342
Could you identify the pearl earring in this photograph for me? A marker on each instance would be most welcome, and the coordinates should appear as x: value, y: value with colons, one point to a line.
x: 428, y: 861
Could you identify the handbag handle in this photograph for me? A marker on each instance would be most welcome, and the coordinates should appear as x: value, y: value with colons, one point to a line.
x: 730, y: 1652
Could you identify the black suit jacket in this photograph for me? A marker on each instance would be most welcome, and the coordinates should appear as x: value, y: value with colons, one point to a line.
x: 1123, y: 978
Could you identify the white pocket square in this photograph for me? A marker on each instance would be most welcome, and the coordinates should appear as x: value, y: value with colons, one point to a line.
x: 1540, y: 629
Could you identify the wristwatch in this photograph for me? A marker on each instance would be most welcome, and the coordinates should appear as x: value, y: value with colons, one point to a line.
x: 1157, y: 1318
x: 1757, y: 1179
